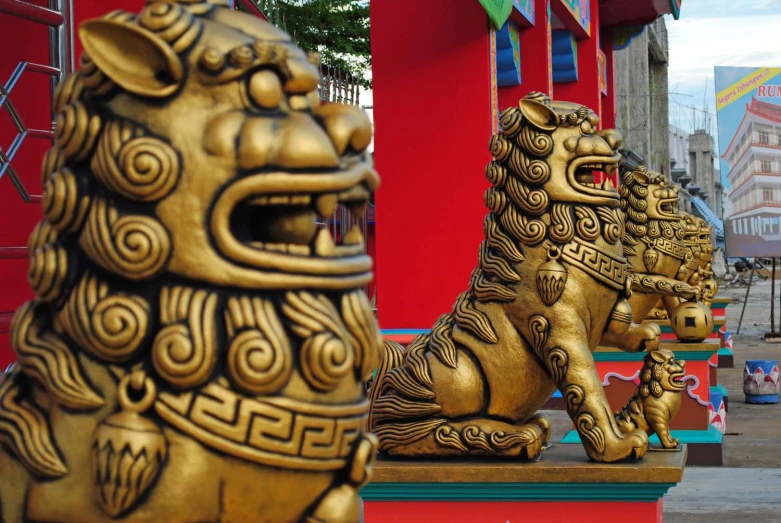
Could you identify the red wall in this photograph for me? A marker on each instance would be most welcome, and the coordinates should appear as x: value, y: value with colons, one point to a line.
x: 27, y: 41
x: 433, y: 122
x: 586, y: 90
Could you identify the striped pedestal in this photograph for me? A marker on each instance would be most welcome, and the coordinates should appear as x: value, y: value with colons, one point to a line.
x: 562, y: 487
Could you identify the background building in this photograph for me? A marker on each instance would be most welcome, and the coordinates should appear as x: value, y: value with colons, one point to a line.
x: 754, y: 158
x: 642, y: 97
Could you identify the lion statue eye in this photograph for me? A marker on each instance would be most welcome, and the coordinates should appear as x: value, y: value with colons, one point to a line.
x: 265, y: 89
x: 586, y: 128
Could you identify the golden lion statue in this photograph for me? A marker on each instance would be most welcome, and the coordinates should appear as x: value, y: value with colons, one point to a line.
x: 696, y: 269
x: 654, y: 242
x: 657, y: 399
x: 198, y: 345
x: 551, y: 281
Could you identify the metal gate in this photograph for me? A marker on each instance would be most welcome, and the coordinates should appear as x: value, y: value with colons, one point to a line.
x: 37, y: 54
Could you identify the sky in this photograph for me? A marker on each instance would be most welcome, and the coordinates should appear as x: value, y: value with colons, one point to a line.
x: 745, y: 33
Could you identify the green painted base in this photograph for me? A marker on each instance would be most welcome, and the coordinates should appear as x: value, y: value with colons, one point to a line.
x: 563, y: 474
x: 636, y: 492
x: 709, y: 436
x: 726, y: 352
x: 688, y: 351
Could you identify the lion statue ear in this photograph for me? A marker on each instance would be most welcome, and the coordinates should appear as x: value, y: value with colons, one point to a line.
x: 657, y: 356
x: 133, y: 58
x: 641, y: 176
x: 539, y: 114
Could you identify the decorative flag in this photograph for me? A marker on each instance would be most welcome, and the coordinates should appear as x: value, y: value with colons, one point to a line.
x: 498, y: 10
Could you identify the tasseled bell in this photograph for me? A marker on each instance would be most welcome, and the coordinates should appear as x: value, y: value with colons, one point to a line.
x: 551, y: 278
x: 129, y: 450
x: 650, y: 257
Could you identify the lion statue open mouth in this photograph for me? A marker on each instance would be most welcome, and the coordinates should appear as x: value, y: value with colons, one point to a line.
x: 550, y: 284
x: 199, y: 343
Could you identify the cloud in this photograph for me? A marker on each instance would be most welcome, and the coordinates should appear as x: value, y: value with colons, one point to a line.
x: 717, y: 32
x: 699, y: 9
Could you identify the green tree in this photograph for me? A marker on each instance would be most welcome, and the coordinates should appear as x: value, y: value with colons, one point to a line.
x: 337, y: 29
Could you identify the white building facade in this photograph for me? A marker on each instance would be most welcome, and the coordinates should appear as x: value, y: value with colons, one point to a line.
x: 754, y: 157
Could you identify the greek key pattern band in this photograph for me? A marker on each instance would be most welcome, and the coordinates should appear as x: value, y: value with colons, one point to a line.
x: 602, y: 266
x: 673, y: 248
x: 278, y: 432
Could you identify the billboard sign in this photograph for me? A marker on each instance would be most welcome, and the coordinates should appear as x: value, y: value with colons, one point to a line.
x: 748, y: 108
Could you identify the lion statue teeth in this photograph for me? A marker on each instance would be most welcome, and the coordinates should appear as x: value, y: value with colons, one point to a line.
x: 198, y: 346
x: 657, y: 399
x: 551, y: 282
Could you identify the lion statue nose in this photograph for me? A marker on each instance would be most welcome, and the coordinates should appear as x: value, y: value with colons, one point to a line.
x: 348, y: 127
x: 612, y: 137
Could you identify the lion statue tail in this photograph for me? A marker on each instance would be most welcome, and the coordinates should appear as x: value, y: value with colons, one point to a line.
x: 391, y: 356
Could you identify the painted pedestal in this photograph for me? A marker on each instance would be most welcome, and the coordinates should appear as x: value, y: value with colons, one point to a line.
x: 726, y: 358
x: 620, y: 374
x: 562, y: 487
x: 760, y: 381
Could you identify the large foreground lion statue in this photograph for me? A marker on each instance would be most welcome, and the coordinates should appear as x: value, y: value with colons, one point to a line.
x: 551, y: 281
x: 198, y: 346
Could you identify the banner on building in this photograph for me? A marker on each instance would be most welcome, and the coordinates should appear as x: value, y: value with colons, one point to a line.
x: 748, y: 109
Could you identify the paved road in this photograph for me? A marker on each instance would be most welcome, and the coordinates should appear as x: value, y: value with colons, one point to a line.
x: 725, y: 495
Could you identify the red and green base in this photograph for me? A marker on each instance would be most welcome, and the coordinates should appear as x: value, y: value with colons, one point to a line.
x: 562, y: 487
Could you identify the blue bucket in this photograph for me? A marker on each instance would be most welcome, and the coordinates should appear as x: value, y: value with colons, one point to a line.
x: 760, y: 381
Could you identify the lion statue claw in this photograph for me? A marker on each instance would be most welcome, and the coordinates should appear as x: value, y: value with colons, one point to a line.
x: 550, y: 283
x: 657, y: 399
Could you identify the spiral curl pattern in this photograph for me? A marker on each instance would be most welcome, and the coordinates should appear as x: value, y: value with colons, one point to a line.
x: 134, y: 246
x: 142, y: 168
x: 173, y: 24
x: 184, y: 351
x: 562, y: 228
x: 53, y: 160
x: 327, y: 356
x: 500, y: 147
x: 65, y: 201
x: 587, y: 224
x: 510, y: 120
x: 92, y: 77
x: 76, y: 131
x: 535, y: 142
x: 534, y: 202
x: 110, y: 325
x: 496, y: 174
x: 529, y: 232
x: 48, y: 272
x: 495, y: 200
x: 326, y: 361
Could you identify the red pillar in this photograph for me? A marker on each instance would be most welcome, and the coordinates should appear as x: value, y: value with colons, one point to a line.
x: 586, y: 90
x: 432, y: 110
x: 535, y: 59
x: 608, y: 120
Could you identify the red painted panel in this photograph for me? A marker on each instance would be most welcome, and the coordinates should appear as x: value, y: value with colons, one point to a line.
x: 432, y: 110
x: 609, y: 101
x: 511, y: 512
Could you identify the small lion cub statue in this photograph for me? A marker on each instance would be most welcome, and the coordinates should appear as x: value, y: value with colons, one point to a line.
x: 657, y: 399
